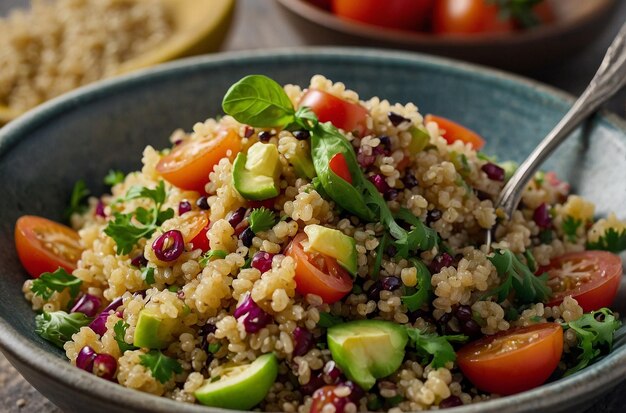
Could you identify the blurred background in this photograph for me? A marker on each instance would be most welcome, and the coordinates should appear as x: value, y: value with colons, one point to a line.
x: 52, y: 46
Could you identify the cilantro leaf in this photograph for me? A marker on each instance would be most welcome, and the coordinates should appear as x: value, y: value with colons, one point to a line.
x: 611, y: 241
x: 58, y: 281
x: 58, y: 327
x: 261, y: 219
x: 328, y: 320
x: 114, y: 177
x: 416, y: 300
x: 430, y: 345
x: 161, y: 366
x: 528, y: 287
x: 593, y: 334
x: 77, y: 205
x: 122, y: 227
x: 120, y: 332
x: 570, y: 226
x: 148, y: 275
x: 209, y: 255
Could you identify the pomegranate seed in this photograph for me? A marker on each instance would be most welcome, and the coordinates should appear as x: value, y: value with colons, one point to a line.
x: 105, y: 366
x: 184, y: 206
x: 541, y: 216
x: 493, y: 171
x: 262, y: 261
x: 169, y: 245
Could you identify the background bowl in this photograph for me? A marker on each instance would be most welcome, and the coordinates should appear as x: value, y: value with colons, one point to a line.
x: 44, y: 152
x: 577, y: 23
x: 198, y: 27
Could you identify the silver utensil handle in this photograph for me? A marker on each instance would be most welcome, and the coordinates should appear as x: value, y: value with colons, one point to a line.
x: 610, y: 77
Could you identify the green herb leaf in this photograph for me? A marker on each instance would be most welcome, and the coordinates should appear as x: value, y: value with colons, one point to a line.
x: 380, y: 251
x: 328, y: 320
x: 528, y: 287
x: 77, y: 205
x: 58, y: 327
x: 521, y: 11
x: 258, y: 101
x: 209, y: 255
x: 261, y: 219
x: 114, y: 177
x: 161, y: 366
x: 214, y: 347
x: 531, y: 262
x: 570, y: 226
x: 416, y: 300
x: 148, y: 275
x: 120, y: 332
x: 122, y: 227
x: 611, y: 241
x: 593, y: 334
x: 58, y: 281
x: 431, y: 346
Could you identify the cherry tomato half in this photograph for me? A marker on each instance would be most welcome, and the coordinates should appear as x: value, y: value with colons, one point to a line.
x: 44, y: 246
x: 590, y: 277
x: 189, y: 164
x: 201, y: 241
x: 468, y: 17
x: 339, y: 166
x: 455, y: 132
x: 318, y: 274
x: 513, y: 361
x: 395, y: 14
x: 329, y: 108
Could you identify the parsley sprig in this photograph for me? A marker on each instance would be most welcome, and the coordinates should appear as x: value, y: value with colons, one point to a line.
x: 517, y: 277
x: 58, y: 327
x: 50, y: 282
x: 261, y: 219
x: 435, y: 348
x: 161, y: 366
x: 421, y: 293
x: 570, y: 226
x: 120, y: 333
x: 611, y: 241
x: 594, y: 331
x: 114, y: 177
x: 127, y: 229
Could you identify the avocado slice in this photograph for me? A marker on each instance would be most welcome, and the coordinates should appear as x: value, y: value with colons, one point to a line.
x: 367, y: 350
x: 333, y: 243
x: 419, y: 139
x: 300, y: 159
x: 255, y: 174
x: 240, y: 387
x: 153, y: 331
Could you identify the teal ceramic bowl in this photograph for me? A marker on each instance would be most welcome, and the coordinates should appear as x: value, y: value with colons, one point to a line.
x: 85, y: 133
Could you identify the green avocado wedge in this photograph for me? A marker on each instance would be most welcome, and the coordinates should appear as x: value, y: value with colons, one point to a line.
x: 152, y: 331
x: 241, y: 387
x: 333, y: 243
x: 367, y: 350
x: 255, y: 174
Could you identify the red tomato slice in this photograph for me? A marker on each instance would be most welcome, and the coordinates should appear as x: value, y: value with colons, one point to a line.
x: 468, y: 17
x: 455, y: 132
x: 44, y: 246
x: 189, y: 164
x: 396, y: 14
x: 201, y: 241
x: 318, y: 274
x: 590, y: 277
x: 513, y: 361
x: 339, y: 166
x: 345, y: 115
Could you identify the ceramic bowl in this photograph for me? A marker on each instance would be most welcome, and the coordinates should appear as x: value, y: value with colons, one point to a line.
x: 577, y: 23
x: 89, y: 131
x: 198, y: 27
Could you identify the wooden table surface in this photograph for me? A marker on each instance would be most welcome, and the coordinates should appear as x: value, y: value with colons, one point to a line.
x: 254, y: 27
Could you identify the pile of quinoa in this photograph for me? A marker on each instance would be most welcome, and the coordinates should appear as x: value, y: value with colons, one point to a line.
x: 58, y: 45
x: 454, y: 199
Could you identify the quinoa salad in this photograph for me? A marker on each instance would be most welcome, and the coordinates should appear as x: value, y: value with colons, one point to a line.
x: 309, y: 251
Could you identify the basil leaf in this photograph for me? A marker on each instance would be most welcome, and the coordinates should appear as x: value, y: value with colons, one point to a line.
x: 326, y: 142
x: 258, y: 101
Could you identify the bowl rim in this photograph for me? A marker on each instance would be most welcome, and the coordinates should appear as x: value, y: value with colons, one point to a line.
x: 324, y: 18
x: 570, y: 391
